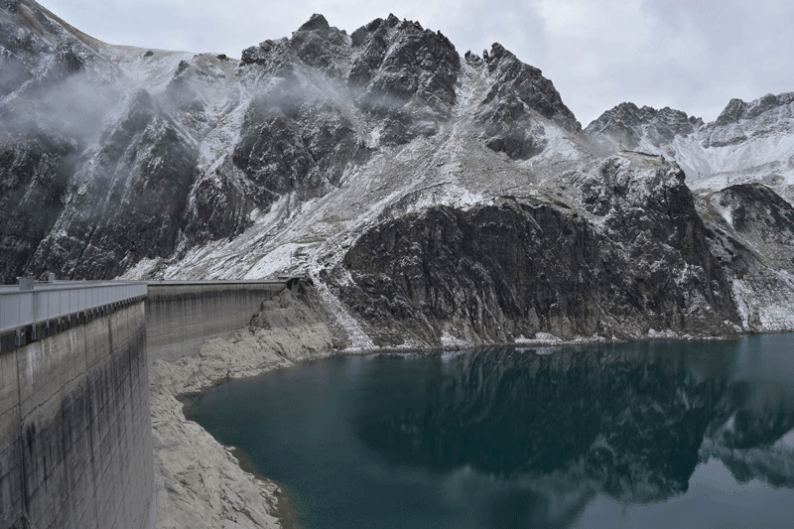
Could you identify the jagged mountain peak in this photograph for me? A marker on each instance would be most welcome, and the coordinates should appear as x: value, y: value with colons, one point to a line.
x: 516, y: 81
x: 737, y: 109
x: 30, y: 16
x: 627, y: 126
x: 628, y: 114
x: 748, y: 142
x: 388, y: 63
x: 316, y: 21
x: 628, y: 111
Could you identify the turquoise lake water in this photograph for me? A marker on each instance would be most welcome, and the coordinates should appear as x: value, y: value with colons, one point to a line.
x: 651, y: 435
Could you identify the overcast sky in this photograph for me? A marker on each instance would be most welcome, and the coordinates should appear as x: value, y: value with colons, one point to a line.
x: 692, y: 55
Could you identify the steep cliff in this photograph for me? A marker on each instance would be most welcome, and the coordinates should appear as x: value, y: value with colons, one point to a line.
x: 631, y: 258
x: 751, y: 232
x: 219, y: 140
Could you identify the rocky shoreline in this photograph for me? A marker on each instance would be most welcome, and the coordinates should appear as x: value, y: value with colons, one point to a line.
x: 200, y: 482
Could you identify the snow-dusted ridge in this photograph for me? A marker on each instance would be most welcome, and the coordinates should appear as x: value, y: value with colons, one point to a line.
x: 748, y: 142
x: 204, y: 166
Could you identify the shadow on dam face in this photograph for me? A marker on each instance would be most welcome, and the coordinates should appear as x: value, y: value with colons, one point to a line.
x: 76, y: 438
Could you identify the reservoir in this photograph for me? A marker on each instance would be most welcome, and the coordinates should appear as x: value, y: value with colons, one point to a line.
x: 651, y: 434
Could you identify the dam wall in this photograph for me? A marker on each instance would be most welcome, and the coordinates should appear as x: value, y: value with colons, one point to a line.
x: 180, y: 316
x: 75, y: 429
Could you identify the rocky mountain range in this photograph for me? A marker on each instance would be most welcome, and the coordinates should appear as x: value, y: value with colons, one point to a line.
x: 748, y: 142
x: 434, y: 198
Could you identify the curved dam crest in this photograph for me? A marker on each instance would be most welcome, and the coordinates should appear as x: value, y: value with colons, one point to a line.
x: 75, y: 426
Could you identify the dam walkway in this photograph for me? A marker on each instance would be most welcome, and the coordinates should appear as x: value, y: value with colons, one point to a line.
x: 33, y: 310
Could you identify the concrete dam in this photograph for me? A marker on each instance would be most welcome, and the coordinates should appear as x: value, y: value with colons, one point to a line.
x: 75, y: 428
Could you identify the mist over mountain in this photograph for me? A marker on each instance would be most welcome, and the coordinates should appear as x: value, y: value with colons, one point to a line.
x: 434, y: 197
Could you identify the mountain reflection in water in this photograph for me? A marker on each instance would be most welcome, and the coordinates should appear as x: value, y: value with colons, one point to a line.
x: 632, y: 424
x: 522, y: 438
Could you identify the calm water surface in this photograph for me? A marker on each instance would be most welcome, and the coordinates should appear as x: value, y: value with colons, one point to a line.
x: 652, y: 435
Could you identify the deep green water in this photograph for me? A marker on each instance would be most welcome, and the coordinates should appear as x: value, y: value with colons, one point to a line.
x: 651, y: 435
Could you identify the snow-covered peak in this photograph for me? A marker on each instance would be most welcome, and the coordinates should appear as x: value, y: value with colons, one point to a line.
x: 748, y: 142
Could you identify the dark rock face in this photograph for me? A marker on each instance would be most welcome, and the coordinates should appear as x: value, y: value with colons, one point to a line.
x: 271, y: 151
x: 626, y: 124
x: 757, y: 211
x: 34, y: 171
x: 751, y: 232
x: 97, y: 174
x: 322, y: 46
x: 130, y: 194
x: 420, y: 68
x: 744, y: 144
x: 751, y: 226
x: 403, y: 76
x: 516, y: 86
x: 275, y: 57
x: 291, y: 143
x: 494, y: 273
x: 316, y: 104
x: 52, y: 98
x: 420, y: 64
x: 295, y: 138
x: 126, y: 200
x: 220, y: 206
x: 515, y: 79
x: 738, y: 109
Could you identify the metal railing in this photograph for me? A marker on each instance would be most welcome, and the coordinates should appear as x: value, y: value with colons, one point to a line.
x: 47, y: 301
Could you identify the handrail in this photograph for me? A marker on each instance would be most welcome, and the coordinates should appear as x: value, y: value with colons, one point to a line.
x: 20, y: 308
x: 47, y: 301
x: 189, y: 282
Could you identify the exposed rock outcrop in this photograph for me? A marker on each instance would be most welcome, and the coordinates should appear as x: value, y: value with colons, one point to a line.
x: 751, y: 232
x: 627, y: 127
x: 34, y: 171
x: 154, y: 164
x: 225, y: 141
x: 516, y: 92
x: 639, y: 261
x: 125, y: 199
